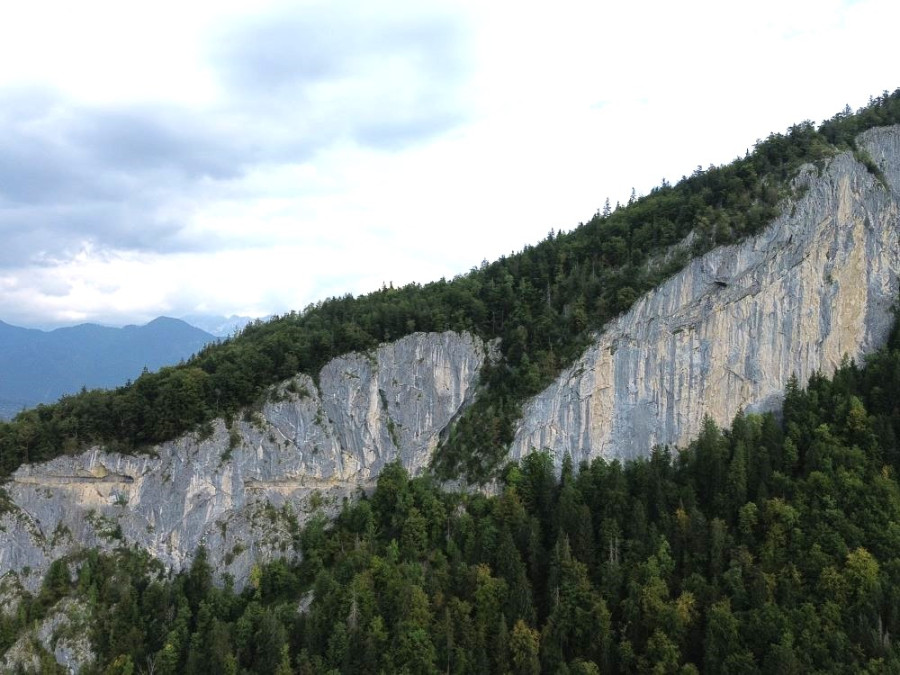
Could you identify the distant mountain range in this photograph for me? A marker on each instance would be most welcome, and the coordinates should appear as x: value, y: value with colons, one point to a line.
x: 40, y: 366
x: 220, y: 326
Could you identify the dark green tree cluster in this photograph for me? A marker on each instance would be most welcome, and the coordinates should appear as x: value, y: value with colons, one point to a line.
x: 542, y: 303
x: 770, y: 547
x: 842, y: 129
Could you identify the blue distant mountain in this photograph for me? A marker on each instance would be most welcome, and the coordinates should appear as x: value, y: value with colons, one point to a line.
x: 220, y: 326
x: 39, y: 366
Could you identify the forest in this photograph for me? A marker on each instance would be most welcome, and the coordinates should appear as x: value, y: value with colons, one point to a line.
x: 769, y: 547
x: 542, y: 302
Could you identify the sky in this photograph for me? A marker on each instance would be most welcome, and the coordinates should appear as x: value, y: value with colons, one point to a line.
x: 251, y: 158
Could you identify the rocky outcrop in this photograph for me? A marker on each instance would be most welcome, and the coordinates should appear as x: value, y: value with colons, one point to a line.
x: 244, y: 491
x: 62, y: 636
x: 729, y: 330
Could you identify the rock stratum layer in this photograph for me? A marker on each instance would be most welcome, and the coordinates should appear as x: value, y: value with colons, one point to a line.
x: 244, y: 491
x: 729, y: 330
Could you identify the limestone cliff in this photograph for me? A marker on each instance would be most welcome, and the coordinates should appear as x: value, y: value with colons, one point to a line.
x: 730, y: 329
x: 726, y: 332
x: 244, y: 491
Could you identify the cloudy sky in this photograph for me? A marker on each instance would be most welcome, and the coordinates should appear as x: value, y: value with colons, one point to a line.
x: 253, y: 157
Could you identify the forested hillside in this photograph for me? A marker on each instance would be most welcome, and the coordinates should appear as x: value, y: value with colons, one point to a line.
x: 542, y: 303
x: 770, y: 547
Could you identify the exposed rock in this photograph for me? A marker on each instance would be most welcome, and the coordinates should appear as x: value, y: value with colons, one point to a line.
x: 62, y: 636
x: 729, y: 330
x: 244, y: 492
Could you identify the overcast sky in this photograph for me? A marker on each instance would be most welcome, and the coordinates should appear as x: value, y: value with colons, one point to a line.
x: 250, y: 158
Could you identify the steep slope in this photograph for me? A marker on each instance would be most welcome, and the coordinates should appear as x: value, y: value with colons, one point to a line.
x: 727, y: 332
x: 244, y: 491
x: 543, y: 303
x: 730, y: 330
x: 40, y: 366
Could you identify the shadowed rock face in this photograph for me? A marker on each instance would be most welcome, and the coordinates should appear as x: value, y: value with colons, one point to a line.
x: 729, y: 330
x: 243, y: 492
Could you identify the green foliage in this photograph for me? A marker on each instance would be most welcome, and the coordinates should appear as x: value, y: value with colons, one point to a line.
x: 6, y: 504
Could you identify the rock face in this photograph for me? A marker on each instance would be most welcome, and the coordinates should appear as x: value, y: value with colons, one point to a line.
x: 730, y: 329
x: 727, y: 332
x: 244, y: 492
x: 64, y: 634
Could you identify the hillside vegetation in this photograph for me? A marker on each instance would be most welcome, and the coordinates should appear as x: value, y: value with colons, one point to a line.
x: 766, y: 548
x: 542, y: 303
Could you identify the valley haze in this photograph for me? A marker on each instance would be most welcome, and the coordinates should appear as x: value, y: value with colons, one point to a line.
x: 41, y: 366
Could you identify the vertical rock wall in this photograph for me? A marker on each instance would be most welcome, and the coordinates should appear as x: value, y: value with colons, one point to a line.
x: 730, y: 329
x: 244, y: 491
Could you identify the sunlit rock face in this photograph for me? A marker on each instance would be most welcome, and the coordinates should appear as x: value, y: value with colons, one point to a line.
x: 729, y: 330
x: 244, y: 491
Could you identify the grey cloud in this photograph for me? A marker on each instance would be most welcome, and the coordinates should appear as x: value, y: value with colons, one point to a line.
x: 305, y: 45
x: 46, y: 234
x: 349, y: 71
x: 148, y: 139
x: 53, y: 288
x: 39, y: 174
x: 36, y: 165
x: 54, y: 152
x: 398, y: 133
x: 295, y: 82
x: 105, y: 177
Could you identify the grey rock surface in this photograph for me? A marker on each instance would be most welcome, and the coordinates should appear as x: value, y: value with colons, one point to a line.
x: 244, y: 492
x: 64, y: 634
x: 729, y: 330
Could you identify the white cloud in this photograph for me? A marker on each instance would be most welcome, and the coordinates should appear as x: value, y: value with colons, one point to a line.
x: 244, y: 158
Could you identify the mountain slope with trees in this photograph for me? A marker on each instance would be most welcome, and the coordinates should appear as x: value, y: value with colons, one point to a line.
x: 543, y: 303
x: 769, y: 547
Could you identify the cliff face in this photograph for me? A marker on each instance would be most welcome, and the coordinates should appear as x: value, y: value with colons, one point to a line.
x: 244, y: 492
x: 729, y: 330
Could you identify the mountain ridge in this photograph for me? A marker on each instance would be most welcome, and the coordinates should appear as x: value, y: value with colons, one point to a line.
x: 38, y: 367
x: 220, y: 326
x: 312, y: 441
x: 225, y: 471
x: 730, y: 330
x: 542, y: 303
